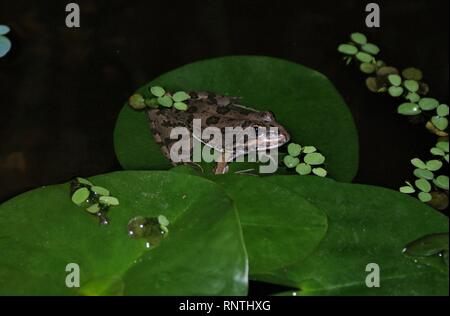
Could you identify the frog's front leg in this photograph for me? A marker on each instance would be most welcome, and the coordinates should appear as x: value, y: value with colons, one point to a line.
x: 222, y: 165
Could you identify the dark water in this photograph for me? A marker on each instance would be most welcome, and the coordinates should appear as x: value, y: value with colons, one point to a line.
x: 61, y: 89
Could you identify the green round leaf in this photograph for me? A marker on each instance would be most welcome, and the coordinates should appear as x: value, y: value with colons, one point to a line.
x: 180, y: 106
x: 441, y: 182
x: 443, y: 145
x: 309, y: 149
x: 5, y: 45
x: 151, y: 102
x: 294, y: 149
x: 440, y: 122
x: 163, y: 220
x: 84, y: 181
x: 437, y: 151
x: 442, y: 110
x: 165, y: 101
x: 157, y: 91
x: 137, y: 101
x: 416, y: 162
x: 100, y: 190
x: 434, y: 165
x: 358, y: 38
x: 180, y: 96
x: 364, y: 57
x: 347, y: 49
x: 4, y: 29
x: 80, y: 196
x: 303, y: 169
x: 395, y: 91
x: 262, y: 82
x: 423, y: 174
x: 290, y: 161
x: 203, y: 255
x: 409, y: 109
x: 407, y: 189
x: 93, y: 209
x: 412, y: 73
x: 395, y: 80
x: 321, y: 172
x: 413, y: 97
x: 367, y: 225
x: 411, y: 85
x: 424, y: 196
x: 367, y: 68
x: 423, y: 185
x: 109, y: 200
x: 314, y: 159
x: 428, y: 104
x: 370, y: 48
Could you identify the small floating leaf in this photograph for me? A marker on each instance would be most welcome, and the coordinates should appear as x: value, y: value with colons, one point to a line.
x: 80, y: 196
x: 303, y: 169
x: 294, y: 149
x: 290, y: 161
x: 347, y: 49
x: 387, y: 70
x: 442, y: 110
x: 181, y: 106
x: 437, y: 151
x: 367, y: 68
x: 440, y: 122
x: 165, y: 101
x: 314, y: 159
x: 395, y: 79
x: 423, y: 185
x: 358, y: 38
x: 364, y: 57
x: 412, y: 73
x: 4, y: 29
x: 321, y: 172
x: 428, y: 104
x: 100, y: 190
x: 5, y: 45
x: 157, y: 91
x: 137, y: 101
x: 163, y: 220
x: 443, y: 145
x: 309, y: 149
x: 434, y: 165
x: 424, y: 196
x: 395, y: 91
x: 93, y: 209
x: 409, y: 109
x: 180, y: 96
x: 424, y: 174
x: 84, y: 181
x: 151, y: 102
x: 416, y: 162
x: 412, y: 97
x: 370, y: 48
x: 407, y: 189
x: 441, y: 182
x: 109, y: 200
x: 411, y: 85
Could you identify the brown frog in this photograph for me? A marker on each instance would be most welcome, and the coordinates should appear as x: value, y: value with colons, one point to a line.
x: 217, y: 111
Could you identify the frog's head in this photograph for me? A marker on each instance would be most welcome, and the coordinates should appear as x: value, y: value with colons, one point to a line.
x: 268, y: 137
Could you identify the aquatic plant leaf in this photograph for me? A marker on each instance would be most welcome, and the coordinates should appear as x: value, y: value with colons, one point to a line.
x: 42, y: 231
x: 279, y: 227
x: 303, y: 100
x: 367, y: 224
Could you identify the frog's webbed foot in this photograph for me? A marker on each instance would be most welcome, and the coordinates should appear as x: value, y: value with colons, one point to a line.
x: 221, y: 168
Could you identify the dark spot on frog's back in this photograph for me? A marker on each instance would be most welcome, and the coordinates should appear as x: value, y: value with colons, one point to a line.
x: 212, y: 120
x: 223, y: 109
x: 192, y: 109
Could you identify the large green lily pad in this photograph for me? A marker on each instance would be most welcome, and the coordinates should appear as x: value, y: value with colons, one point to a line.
x: 366, y: 225
x: 279, y: 227
x: 42, y: 231
x: 303, y: 100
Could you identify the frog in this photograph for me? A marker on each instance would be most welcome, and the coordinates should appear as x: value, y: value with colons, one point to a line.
x: 220, y: 111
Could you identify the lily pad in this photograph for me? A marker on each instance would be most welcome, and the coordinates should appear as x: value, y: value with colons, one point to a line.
x: 303, y: 100
x: 279, y: 227
x: 42, y: 231
x: 367, y: 224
